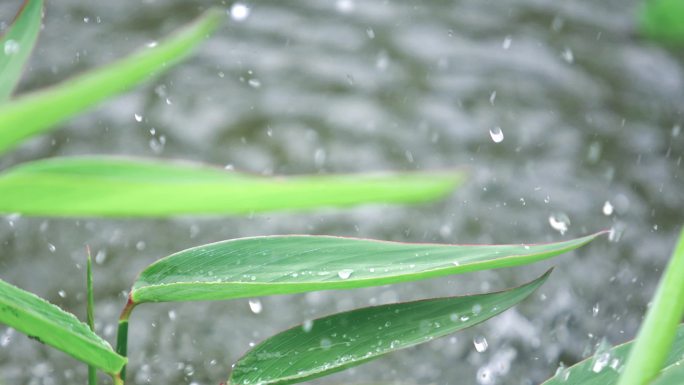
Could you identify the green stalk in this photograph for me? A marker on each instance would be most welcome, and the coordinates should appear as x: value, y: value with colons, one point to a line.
x: 90, y: 312
x: 122, y: 337
x: 655, y: 337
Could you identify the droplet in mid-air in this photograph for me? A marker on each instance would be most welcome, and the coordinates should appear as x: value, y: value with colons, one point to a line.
x: 239, y: 12
x: 138, y: 117
x: 508, y: 40
x: 568, y: 55
x: 607, y: 208
x: 255, y: 306
x: 496, y: 134
x: 481, y: 344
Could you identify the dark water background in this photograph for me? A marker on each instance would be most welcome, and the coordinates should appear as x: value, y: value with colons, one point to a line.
x: 590, y: 114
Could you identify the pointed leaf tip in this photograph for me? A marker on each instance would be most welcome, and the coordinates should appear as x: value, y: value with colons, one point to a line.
x: 273, y: 265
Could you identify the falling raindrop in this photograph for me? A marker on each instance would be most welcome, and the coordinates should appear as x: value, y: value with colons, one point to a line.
x: 496, y: 134
x: 307, y: 325
x: 676, y: 130
x: 100, y: 257
x: 345, y: 6
x: 138, y: 117
x: 480, y: 343
x: 319, y: 157
x: 172, y: 315
x: 11, y: 47
x: 62, y: 293
x: 559, y: 222
x: 615, y: 233
x: 568, y: 55
x: 52, y: 247
x: 239, y: 12
x: 345, y: 273
x: 595, y: 309
x: 607, y: 208
x: 255, y: 306
x: 254, y: 83
x: 370, y: 33
x: 140, y: 245
x: 492, y: 97
x: 508, y: 40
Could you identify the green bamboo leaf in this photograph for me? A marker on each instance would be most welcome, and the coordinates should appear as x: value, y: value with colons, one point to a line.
x: 660, y: 325
x: 40, y: 111
x: 17, y: 44
x: 53, y: 326
x: 671, y: 375
x: 602, y: 368
x: 340, y: 341
x: 663, y: 20
x: 272, y: 265
x: 118, y: 187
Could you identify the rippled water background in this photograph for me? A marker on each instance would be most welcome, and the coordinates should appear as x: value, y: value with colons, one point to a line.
x: 590, y: 113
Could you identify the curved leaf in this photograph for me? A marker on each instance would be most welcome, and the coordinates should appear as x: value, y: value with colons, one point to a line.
x: 602, y: 369
x: 117, y: 187
x: 40, y: 111
x: 271, y: 265
x: 340, y: 341
x: 53, y: 326
x: 17, y: 44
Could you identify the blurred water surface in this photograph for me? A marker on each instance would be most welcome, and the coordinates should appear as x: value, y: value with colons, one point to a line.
x: 560, y: 113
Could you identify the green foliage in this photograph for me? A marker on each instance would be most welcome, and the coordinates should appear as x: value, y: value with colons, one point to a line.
x: 600, y: 369
x: 116, y: 187
x: 51, y: 325
x: 40, y: 111
x: 671, y: 375
x: 660, y: 326
x: 343, y: 340
x: 17, y: 44
x: 90, y: 311
x: 259, y: 266
x: 663, y: 20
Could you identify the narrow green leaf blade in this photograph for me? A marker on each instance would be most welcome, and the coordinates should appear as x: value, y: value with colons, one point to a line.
x: 603, y: 369
x: 671, y: 375
x: 271, y: 265
x: 40, y: 111
x: 660, y: 325
x: 663, y: 20
x: 117, y: 187
x: 340, y: 341
x: 17, y: 44
x: 53, y: 326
